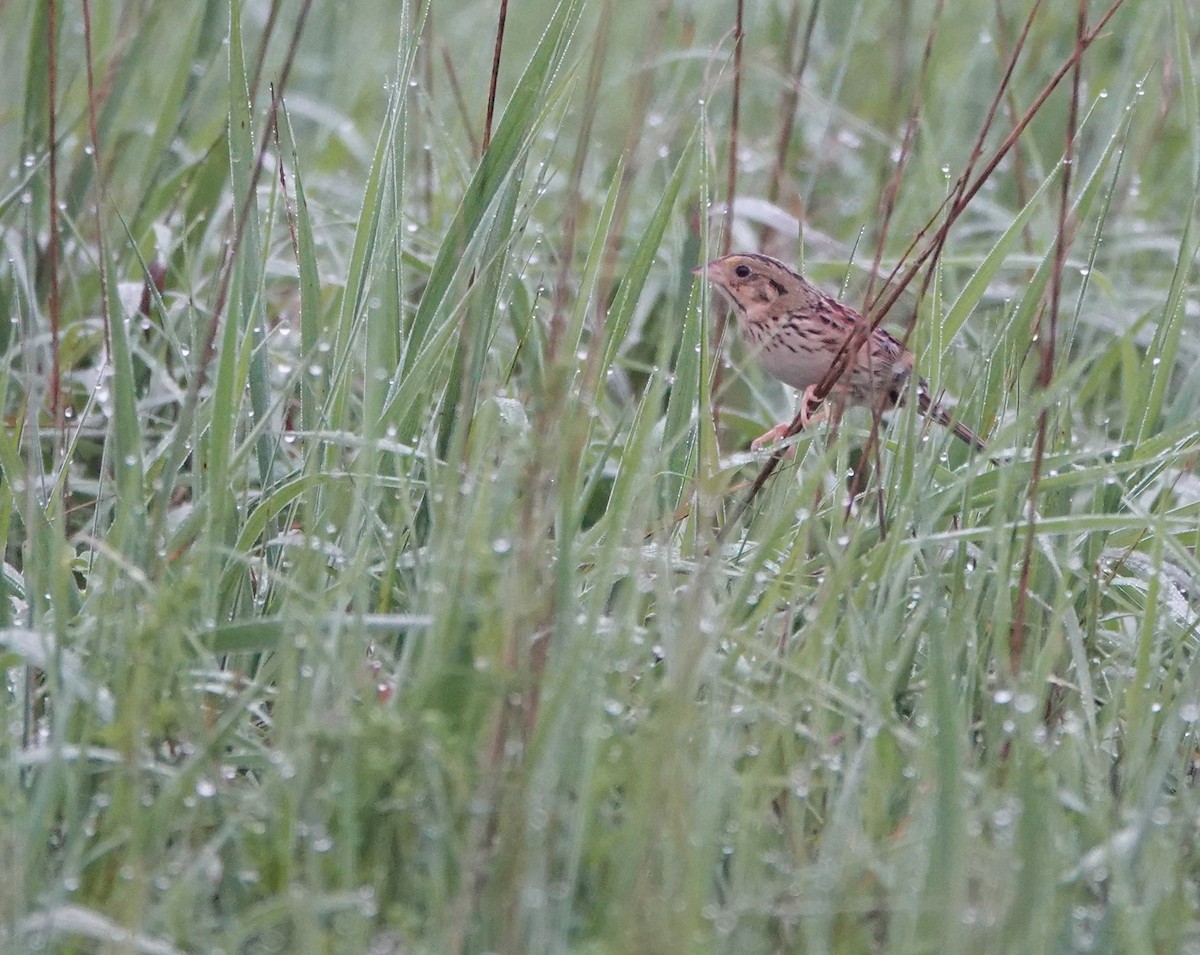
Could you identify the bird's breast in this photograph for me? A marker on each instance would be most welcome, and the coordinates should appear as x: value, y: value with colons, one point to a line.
x: 787, y: 353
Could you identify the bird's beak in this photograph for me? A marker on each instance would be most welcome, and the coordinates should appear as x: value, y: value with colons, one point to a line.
x: 701, y: 270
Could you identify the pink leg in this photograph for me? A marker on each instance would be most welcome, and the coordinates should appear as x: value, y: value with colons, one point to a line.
x: 770, y: 437
x: 809, y: 405
x: 808, y: 415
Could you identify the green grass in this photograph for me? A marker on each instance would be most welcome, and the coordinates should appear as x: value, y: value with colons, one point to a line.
x: 368, y: 596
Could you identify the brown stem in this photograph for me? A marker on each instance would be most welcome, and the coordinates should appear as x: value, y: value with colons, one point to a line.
x: 54, y: 303
x: 1010, y: 105
x: 635, y: 126
x: 790, y: 97
x: 735, y: 111
x: 261, y: 59
x: 888, y: 296
x: 892, y: 189
x: 459, y: 100
x: 562, y: 287
x: 208, y: 347
x: 94, y: 136
x: 1047, y: 338
x: 425, y: 65
x: 730, y: 199
x: 491, y: 103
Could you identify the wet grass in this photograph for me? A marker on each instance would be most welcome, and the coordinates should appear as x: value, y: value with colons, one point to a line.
x: 376, y: 578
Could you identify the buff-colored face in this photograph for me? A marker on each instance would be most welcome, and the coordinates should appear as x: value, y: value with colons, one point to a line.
x: 759, y: 286
x: 796, y: 332
x: 751, y: 282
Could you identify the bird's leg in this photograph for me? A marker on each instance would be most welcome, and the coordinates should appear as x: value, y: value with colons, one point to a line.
x: 770, y: 437
x: 809, y: 414
x: 809, y: 407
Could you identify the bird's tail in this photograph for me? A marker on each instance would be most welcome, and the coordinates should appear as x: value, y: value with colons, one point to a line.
x: 935, y: 412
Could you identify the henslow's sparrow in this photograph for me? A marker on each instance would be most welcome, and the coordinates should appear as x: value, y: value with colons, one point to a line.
x: 796, y: 331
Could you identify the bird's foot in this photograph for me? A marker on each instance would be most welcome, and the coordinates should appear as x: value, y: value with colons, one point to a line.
x: 810, y: 413
x: 810, y: 407
x: 770, y: 437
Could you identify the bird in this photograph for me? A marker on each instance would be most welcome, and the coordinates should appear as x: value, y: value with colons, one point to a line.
x: 795, y: 332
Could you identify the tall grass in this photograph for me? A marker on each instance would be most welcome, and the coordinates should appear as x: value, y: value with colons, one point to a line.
x: 386, y: 585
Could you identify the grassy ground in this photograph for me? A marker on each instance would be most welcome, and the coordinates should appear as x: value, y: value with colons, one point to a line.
x: 377, y: 580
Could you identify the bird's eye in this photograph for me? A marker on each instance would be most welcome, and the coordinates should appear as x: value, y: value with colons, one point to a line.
x: 742, y: 271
